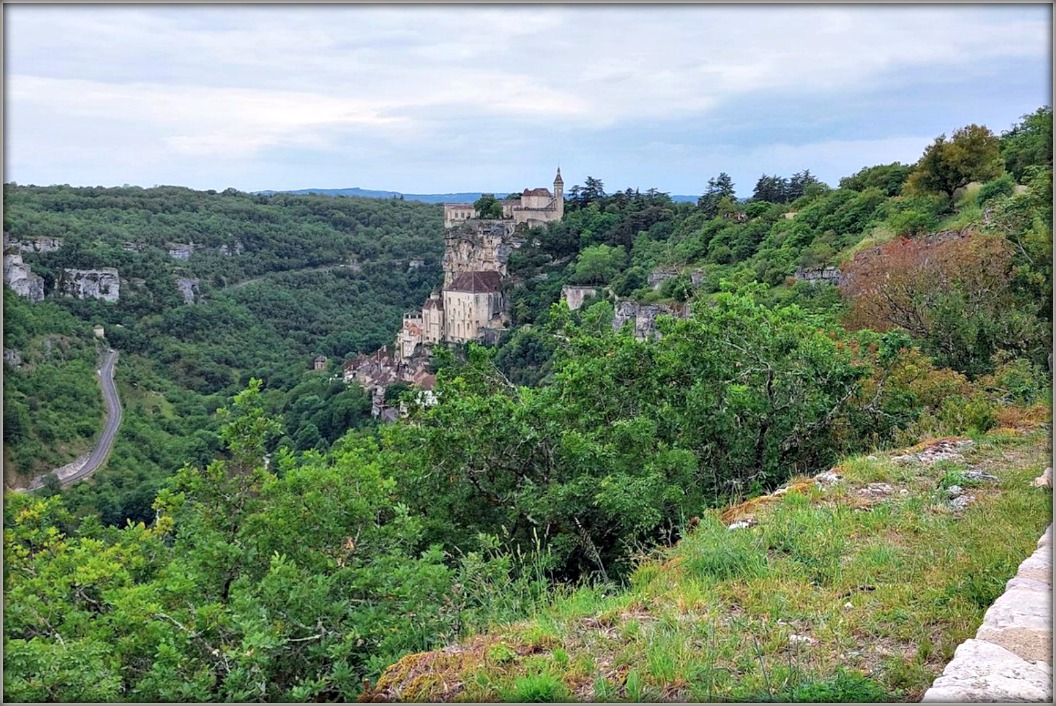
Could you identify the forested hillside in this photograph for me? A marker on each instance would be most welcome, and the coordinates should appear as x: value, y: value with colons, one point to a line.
x: 279, y: 280
x: 299, y: 552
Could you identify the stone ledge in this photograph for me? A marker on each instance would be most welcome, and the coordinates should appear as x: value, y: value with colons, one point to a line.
x: 1021, y: 622
x: 984, y: 672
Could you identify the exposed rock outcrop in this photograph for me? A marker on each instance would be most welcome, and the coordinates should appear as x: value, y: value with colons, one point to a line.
x: 188, y: 287
x: 644, y: 316
x: 181, y: 251
x: 479, y: 246
x: 20, y: 278
x: 660, y: 275
x: 13, y: 357
x: 41, y: 244
x: 818, y: 275
x: 574, y: 296
x: 102, y: 283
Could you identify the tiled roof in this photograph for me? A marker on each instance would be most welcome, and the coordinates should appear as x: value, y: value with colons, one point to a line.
x: 476, y: 282
x: 541, y: 191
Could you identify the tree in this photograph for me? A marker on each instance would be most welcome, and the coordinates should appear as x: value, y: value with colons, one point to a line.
x: 972, y: 154
x: 487, y: 206
x: 1028, y: 143
x: 951, y: 293
x: 797, y: 185
x: 719, y: 187
x: 889, y: 178
x: 771, y: 188
x: 598, y: 264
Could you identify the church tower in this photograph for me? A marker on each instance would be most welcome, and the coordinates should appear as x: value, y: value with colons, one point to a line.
x: 559, y: 195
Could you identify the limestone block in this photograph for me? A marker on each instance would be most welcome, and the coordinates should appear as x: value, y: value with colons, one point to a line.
x: 1028, y: 584
x: 1046, y: 539
x: 1037, y: 566
x: 1021, y: 622
x: 983, y: 672
x: 1044, y: 480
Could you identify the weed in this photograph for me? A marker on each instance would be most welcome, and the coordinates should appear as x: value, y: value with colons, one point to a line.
x: 537, y: 688
x: 501, y: 654
x: 715, y: 552
x: 845, y: 687
x: 604, y: 690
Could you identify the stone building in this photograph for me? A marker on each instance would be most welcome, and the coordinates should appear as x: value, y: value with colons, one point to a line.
x: 473, y: 301
x: 532, y: 207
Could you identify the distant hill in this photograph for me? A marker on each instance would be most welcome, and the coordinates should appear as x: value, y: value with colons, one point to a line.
x: 464, y: 197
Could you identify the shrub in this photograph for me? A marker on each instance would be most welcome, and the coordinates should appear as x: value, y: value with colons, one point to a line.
x: 1004, y: 185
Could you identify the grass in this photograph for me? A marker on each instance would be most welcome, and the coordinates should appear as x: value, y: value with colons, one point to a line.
x: 834, y: 595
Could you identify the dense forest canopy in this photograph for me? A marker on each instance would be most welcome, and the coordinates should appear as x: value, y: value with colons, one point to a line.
x: 257, y: 537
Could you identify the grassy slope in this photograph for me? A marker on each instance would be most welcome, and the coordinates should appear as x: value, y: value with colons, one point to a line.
x: 883, y: 587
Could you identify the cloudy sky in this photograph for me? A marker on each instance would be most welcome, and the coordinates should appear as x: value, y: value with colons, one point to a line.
x: 460, y: 98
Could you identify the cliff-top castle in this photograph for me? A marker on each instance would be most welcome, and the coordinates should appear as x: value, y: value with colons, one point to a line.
x: 471, y: 304
x: 533, y: 207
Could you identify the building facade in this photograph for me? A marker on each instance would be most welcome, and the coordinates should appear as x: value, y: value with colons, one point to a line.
x: 532, y: 207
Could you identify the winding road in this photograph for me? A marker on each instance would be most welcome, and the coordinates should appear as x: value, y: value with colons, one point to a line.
x: 70, y: 474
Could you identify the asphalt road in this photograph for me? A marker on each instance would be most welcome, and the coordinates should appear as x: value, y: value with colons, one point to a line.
x: 113, y: 422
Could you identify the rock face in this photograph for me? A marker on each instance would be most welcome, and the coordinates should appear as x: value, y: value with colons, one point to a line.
x: 188, y: 287
x: 13, y: 357
x: 235, y: 250
x: 478, y: 246
x: 181, y: 251
x: 644, y: 317
x: 41, y: 244
x: 102, y: 283
x: 574, y: 296
x: 660, y: 275
x: 21, y: 279
x: 827, y: 275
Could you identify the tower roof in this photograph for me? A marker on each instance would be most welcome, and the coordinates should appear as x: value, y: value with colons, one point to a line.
x: 558, y: 179
x: 476, y: 282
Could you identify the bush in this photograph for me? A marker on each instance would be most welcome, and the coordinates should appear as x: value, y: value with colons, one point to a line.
x: 1004, y: 185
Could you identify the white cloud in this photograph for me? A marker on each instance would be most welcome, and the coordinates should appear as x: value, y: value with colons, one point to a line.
x: 234, y: 81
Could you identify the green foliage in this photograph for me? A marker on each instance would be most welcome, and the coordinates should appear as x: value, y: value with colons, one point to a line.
x: 971, y: 154
x: 540, y: 687
x: 1004, y: 185
x: 250, y: 585
x: 52, y: 404
x: 629, y: 436
x: 487, y: 206
x: 598, y: 264
x: 1029, y: 143
x: 845, y: 687
x: 888, y: 178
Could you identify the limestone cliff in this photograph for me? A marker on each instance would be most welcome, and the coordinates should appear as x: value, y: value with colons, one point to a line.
x: 102, y: 283
x: 479, y: 246
x: 21, y: 279
x: 188, y: 287
x: 41, y: 244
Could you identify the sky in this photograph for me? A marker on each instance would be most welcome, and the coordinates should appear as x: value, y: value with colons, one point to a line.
x: 440, y: 99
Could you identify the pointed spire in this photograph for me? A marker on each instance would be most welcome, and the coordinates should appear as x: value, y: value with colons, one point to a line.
x: 558, y: 179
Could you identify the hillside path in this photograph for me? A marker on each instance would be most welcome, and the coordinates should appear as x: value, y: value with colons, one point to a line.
x: 86, y: 465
